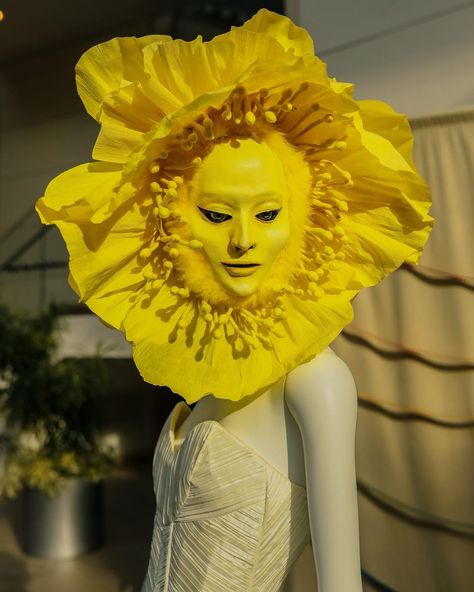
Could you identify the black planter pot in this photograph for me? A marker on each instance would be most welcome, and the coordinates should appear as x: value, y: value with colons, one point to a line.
x: 64, y: 526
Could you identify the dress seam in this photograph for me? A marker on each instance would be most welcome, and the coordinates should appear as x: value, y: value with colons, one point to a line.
x: 260, y: 537
x: 168, y: 557
x: 187, y: 484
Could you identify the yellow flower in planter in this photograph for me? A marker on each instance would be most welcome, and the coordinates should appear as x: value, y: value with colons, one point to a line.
x: 240, y: 200
x: 68, y: 463
x: 42, y: 475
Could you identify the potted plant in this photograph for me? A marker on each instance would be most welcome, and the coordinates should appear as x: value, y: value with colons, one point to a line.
x: 50, y: 444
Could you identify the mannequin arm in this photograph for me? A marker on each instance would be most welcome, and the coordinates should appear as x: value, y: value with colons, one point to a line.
x: 322, y: 398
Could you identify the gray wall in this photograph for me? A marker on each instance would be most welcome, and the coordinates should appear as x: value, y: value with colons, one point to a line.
x: 43, y: 131
x: 414, y: 54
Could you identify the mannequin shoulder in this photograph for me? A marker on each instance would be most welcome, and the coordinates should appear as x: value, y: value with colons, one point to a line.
x: 324, y: 383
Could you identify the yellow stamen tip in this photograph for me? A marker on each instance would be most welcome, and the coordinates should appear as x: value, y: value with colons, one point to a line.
x: 323, y: 233
x: 342, y: 205
x: 250, y: 118
x: 163, y: 212
x: 270, y: 117
x: 315, y: 290
x: 155, y: 187
x: 145, y: 252
x: 173, y: 252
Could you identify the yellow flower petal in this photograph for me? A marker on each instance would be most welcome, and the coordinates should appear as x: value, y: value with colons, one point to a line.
x: 87, y: 186
x: 192, y: 367
x: 380, y: 118
x: 107, y: 67
x: 103, y: 261
x: 380, y: 147
x: 160, y: 102
x: 282, y: 29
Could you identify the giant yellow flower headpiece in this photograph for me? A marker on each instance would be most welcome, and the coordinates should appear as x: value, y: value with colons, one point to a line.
x: 358, y: 206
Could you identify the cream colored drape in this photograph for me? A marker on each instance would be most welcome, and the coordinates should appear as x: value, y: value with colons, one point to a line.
x: 411, y: 350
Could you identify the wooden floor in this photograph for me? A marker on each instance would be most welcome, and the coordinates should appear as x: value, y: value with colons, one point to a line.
x: 119, y: 566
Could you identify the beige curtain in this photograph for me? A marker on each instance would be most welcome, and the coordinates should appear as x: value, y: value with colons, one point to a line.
x: 411, y: 349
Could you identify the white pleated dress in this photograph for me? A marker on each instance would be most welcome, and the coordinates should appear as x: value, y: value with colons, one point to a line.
x: 226, y: 520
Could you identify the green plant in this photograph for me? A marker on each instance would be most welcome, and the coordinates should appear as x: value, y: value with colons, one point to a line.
x: 50, y: 408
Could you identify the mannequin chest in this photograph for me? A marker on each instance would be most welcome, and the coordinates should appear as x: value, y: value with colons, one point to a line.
x: 262, y: 422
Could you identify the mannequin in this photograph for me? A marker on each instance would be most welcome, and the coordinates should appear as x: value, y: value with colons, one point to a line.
x: 226, y: 225
x: 301, y: 426
x: 308, y: 416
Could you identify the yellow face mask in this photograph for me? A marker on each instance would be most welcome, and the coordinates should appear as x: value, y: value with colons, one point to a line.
x: 239, y: 211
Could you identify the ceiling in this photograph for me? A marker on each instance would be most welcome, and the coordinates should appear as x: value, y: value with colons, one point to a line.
x: 32, y: 26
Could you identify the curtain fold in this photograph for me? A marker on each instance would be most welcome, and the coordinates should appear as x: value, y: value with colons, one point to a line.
x: 411, y: 350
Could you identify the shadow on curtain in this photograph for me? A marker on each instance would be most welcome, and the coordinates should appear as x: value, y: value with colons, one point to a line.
x: 411, y: 349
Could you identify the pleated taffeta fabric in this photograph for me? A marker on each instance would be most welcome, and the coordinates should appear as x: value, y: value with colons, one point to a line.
x: 225, y: 518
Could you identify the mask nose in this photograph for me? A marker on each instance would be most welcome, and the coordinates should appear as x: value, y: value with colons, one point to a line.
x: 241, y: 240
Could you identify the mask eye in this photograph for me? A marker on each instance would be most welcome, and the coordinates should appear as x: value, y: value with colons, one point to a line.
x: 215, y: 217
x: 268, y: 216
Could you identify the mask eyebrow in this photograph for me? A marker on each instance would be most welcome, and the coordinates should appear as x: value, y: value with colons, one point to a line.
x: 264, y: 196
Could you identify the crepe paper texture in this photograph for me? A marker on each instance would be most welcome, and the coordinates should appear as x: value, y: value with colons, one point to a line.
x: 163, y: 104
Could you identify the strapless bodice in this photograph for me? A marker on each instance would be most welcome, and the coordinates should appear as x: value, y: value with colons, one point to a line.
x: 226, y: 520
